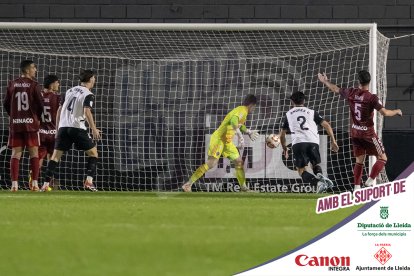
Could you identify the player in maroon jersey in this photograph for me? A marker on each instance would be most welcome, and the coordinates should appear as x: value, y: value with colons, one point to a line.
x: 24, y: 104
x: 364, y: 139
x: 47, y: 130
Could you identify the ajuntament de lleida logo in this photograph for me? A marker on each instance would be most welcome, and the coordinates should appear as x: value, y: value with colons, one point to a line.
x: 384, y: 212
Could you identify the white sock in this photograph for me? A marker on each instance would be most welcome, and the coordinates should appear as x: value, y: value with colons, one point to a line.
x: 369, y: 181
x: 45, y: 183
x: 14, y: 183
x: 356, y: 187
x: 34, y: 183
x: 89, y: 179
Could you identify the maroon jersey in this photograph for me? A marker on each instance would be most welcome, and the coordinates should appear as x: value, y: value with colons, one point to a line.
x: 24, y: 104
x: 362, y: 104
x: 50, y: 107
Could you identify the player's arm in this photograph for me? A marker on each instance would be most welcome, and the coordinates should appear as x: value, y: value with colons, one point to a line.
x: 61, y: 102
x: 234, y: 122
x: 324, y: 79
x: 328, y: 128
x: 38, y: 100
x: 87, y: 109
x: 319, y: 120
x: 389, y: 113
x: 7, y: 100
x: 58, y: 116
x: 282, y: 136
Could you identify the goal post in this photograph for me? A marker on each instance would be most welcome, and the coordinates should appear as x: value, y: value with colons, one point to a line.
x: 162, y: 90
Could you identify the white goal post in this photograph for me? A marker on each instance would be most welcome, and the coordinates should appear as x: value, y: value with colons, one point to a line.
x: 162, y: 89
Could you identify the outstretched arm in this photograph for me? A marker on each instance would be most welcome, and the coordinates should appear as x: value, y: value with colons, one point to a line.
x: 324, y: 79
x: 389, y: 113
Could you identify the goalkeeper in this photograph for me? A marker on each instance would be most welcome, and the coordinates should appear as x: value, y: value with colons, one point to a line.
x: 221, y: 143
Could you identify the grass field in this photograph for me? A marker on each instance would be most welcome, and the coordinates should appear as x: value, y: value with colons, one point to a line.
x: 108, y: 233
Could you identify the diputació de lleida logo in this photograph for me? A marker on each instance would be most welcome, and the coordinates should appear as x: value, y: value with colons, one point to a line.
x: 384, y: 212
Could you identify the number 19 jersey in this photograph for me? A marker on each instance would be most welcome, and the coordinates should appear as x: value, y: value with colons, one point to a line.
x: 303, y: 124
x: 73, y: 103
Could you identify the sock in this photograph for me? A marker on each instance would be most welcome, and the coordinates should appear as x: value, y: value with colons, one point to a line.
x: 14, y: 169
x: 34, y: 166
x: 51, y: 167
x: 357, y: 187
x: 91, y: 167
x: 317, y: 169
x: 358, y: 173
x: 377, y: 168
x: 34, y: 183
x: 309, y: 178
x: 199, y: 173
x: 15, y: 184
x: 240, y: 175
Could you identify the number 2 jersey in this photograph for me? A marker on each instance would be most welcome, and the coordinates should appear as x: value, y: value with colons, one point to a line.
x: 303, y: 124
x: 24, y: 104
x: 50, y: 107
x: 73, y: 102
x: 362, y: 104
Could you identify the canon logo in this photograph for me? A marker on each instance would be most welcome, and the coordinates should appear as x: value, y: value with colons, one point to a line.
x: 304, y: 260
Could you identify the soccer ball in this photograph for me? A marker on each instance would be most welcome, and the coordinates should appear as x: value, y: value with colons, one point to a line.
x: 273, y: 141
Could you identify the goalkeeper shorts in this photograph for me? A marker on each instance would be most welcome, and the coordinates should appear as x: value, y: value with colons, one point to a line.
x: 217, y: 148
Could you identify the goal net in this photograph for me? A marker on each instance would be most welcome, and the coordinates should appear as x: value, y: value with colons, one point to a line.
x: 162, y: 90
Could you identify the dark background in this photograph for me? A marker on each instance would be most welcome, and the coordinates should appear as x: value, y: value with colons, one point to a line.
x: 394, y: 18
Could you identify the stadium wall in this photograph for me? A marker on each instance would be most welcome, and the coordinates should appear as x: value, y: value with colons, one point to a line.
x: 394, y: 18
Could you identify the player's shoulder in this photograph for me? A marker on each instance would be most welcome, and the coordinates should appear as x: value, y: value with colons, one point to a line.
x: 239, y: 109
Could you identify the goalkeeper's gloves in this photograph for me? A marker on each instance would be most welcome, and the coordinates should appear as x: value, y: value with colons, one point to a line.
x: 241, y: 139
x: 253, y: 134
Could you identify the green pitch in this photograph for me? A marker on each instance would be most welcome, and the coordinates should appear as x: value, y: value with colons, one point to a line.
x: 105, y: 233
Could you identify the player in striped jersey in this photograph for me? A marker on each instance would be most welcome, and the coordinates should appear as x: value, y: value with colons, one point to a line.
x: 221, y: 143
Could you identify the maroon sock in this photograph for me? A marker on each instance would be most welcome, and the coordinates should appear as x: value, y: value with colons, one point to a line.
x: 377, y: 168
x: 14, y: 169
x: 34, y: 166
x: 358, y: 173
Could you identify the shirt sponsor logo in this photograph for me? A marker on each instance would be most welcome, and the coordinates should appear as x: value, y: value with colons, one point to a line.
x: 359, y: 98
x: 23, y: 121
x: 47, y: 131
x: 359, y: 127
x: 19, y: 84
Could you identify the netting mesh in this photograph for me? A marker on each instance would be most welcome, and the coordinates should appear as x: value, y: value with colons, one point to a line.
x: 161, y: 94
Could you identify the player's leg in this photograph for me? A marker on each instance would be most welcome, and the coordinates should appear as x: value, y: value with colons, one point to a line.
x: 63, y: 143
x: 16, y: 143
x: 231, y: 152
x: 358, y: 168
x: 199, y: 172
x: 51, y: 168
x: 91, y: 169
x: 34, y: 167
x: 374, y: 147
x: 359, y: 151
x: 301, y: 159
x: 315, y: 159
x: 214, y: 152
x: 41, y: 154
x: 14, y: 167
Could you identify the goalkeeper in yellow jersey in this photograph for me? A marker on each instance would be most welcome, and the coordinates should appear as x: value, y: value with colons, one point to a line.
x: 221, y: 143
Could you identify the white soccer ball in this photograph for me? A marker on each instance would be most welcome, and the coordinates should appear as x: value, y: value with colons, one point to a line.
x: 273, y: 141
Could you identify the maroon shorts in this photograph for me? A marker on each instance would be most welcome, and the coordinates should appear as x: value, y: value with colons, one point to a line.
x: 367, y: 146
x: 47, y: 145
x: 24, y: 139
